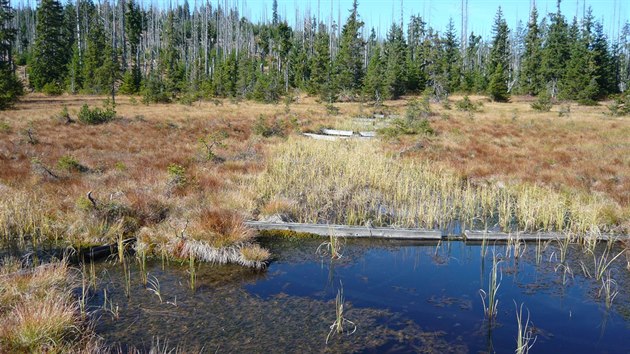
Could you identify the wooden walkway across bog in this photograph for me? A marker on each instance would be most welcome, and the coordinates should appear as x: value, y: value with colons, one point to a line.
x: 413, y: 234
x: 347, y: 231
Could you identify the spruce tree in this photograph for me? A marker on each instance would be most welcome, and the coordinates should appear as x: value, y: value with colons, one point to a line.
x: 530, y: 80
x: 94, y: 57
x: 300, y: 71
x: 10, y: 86
x: 474, y: 79
x: 499, y: 59
x: 395, y: 54
x: 604, y: 69
x: 498, y: 84
x: 321, y: 70
x: 373, y: 87
x: 452, y: 58
x: 500, y: 53
x: 49, y: 59
x: 349, y: 60
x: 579, y: 81
x: 556, y: 51
x: 416, y: 79
x: 132, y: 78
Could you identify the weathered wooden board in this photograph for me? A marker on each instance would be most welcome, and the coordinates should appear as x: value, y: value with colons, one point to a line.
x: 367, y: 134
x: 324, y: 137
x: 413, y: 234
x: 348, y: 231
x: 337, y: 132
x: 471, y: 235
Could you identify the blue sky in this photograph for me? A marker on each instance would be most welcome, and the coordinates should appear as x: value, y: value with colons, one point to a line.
x: 378, y: 13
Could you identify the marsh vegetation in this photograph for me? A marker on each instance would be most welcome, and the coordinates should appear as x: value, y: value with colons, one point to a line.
x: 164, y: 177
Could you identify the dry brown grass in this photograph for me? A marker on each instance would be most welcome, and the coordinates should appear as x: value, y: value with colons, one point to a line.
x: 587, y: 150
x: 127, y: 164
x: 38, y: 312
x: 128, y: 160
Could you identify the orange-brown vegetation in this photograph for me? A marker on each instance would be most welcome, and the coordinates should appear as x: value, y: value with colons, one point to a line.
x: 127, y: 163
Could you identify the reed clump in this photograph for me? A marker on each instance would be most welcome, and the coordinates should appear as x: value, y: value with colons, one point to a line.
x: 357, y: 182
x: 38, y: 312
x: 26, y: 216
x: 216, y: 236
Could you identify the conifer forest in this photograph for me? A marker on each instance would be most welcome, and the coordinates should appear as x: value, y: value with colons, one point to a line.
x: 201, y: 50
x: 200, y: 176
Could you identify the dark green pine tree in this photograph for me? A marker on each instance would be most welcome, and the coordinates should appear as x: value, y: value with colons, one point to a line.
x: 396, y: 56
x: 580, y: 81
x: 349, y: 59
x: 530, y: 79
x: 321, y: 70
x: 416, y: 79
x: 497, y: 87
x: 499, y: 59
x: 170, y: 63
x: 132, y: 78
x: 373, y: 86
x: 49, y: 60
x: 452, y: 58
x: 474, y: 79
x: 94, y: 57
x: 604, y: 66
x: 556, y: 51
x: 300, y: 71
x: 226, y: 76
x: 248, y: 69
x: 10, y: 86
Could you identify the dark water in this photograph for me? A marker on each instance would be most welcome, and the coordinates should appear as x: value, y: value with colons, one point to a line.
x: 402, y: 296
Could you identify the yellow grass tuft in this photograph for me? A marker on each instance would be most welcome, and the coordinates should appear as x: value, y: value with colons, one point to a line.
x: 357, y: 183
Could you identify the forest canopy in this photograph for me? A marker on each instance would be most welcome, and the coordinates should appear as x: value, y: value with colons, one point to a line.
x: 188, y: 53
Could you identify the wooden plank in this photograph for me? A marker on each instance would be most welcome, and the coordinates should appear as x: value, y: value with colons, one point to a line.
x: 479, y: 235
x: 364, y: 120
x: 367, y: 134
x: 337, y: 132
x: 348, y: 231
x: 474, y: 235
x: 323, y: 137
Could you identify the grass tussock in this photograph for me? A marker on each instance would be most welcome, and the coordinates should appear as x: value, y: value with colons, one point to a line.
x: 26, y: 216
x: 215, y: 236
x: 356, y: 183
x: 38, y: 312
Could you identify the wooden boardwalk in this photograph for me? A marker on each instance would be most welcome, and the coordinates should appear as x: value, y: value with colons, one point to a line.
x: 347, y: 231
x: 415, y: 234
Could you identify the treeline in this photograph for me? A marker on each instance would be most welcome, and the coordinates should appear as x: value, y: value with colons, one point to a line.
x: 211, y: 50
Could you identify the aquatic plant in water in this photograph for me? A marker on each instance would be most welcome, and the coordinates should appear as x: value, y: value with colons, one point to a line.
x: 153, y: 285
x: 341, y: 323
x: 600, y: 264
x: 609, y: 289
x: 490, y: 307
x: 331, y: 248
x: 524, y: 340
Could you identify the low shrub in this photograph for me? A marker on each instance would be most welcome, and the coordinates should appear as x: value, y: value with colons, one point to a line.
x: 542, y: 103
x: 71, y: 164
x: 96, y: 115
x: 177, y: 175
x: 52, y: 89
x: 621, y: 105
x: 415, y: 121
x: 4, y: 127
x: 466, y: 105
x: 270, y: 127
